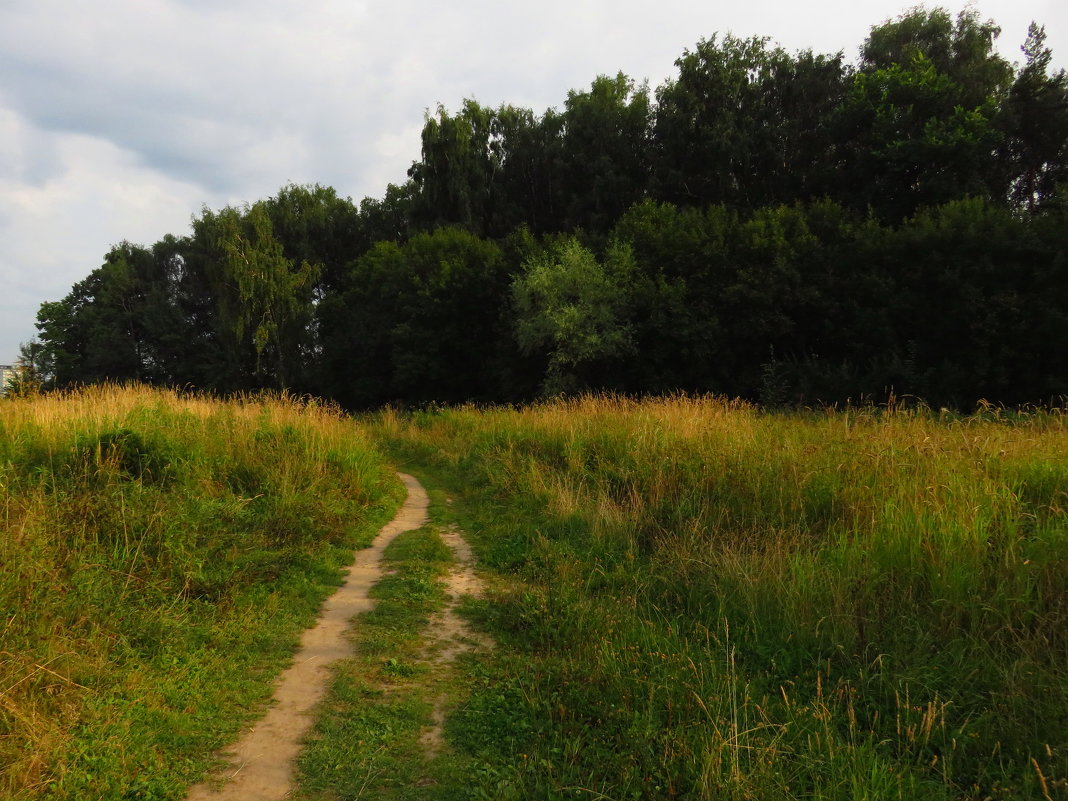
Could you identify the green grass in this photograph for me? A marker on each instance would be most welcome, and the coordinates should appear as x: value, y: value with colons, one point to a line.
x: 161, y: 555
x: 366, y: 741
x: 691, y: 598
x: 699, y: 600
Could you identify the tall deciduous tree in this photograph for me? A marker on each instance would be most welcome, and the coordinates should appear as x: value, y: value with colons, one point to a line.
x: 1036, y: 125
x: 34, y: 368
x: 573, y: 309
x: 456, y: 173
x: 605, y: 151
x: 419, y: 321
x: 116, y: 324
x: 315, y: 226
x: 920, y: 121
x: 704, y: 123
x: 746, y: 125
x: 390, y: 219
x: 776, y: 225
x: 530, y: 186
x: 263, y: 301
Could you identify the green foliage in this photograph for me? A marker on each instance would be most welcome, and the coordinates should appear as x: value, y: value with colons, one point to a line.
x: 100, y: 330
x: 917, y: 143
x: 31, y: 371
x: 776, y: 205
x: 128, y: 453
x: 604, y: 151
x: 529, y: 182
x: 923, y: 124
x: 418, y: 322
x: 455, y: 175
x: 746, y: 125
x: 316, y: 227
x: 263, y: 300
x: 1035, y: 118
x: 961, y: 50
x: 490, y: 170
x: 386, y: 220
x: 573, y: 309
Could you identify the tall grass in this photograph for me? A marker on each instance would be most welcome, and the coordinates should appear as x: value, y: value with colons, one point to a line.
x: 160, y: 554
x: 716, y: 602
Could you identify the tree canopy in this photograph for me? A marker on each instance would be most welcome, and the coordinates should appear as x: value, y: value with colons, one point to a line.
x: 789, y: 227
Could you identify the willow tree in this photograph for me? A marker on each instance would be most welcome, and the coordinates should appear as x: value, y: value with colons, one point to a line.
x: 263, y: 302
x: 455, y: 175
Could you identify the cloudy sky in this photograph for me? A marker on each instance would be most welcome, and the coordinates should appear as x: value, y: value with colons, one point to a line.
x: 119, y: 119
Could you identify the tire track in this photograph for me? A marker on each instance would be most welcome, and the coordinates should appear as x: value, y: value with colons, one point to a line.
x: 262, y: 762
x: 451, y: 633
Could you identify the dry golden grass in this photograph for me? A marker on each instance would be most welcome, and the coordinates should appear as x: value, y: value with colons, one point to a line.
x: 160, y: 552
x: 865, y: 601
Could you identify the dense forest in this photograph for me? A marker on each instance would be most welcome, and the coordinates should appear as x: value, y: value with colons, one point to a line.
x: 786, y: 227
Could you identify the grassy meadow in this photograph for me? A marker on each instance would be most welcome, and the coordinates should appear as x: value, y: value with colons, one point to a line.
x: 691, y: 598
x: 696, y: 599
x: 160, y: 555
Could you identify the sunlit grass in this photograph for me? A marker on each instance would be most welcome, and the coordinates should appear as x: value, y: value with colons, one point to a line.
x: 724, y: 603
x: 161, y: 553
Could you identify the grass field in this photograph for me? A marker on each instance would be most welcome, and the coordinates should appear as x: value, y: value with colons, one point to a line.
x: 700, y: 600
x: 160, y: 555
x: 691, y: 598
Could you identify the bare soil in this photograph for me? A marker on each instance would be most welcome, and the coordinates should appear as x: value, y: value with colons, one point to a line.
x: 262, y: 763
x: 450, y: 633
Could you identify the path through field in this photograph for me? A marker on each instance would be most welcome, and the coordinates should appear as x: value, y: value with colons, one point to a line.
x: 452, y: 633
x: 262, y: 762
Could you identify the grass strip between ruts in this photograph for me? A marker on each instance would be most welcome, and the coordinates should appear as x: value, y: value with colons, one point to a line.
x: 366, y: 742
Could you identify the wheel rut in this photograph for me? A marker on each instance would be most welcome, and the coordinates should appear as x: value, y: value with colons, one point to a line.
x: 262, y: 763
x: 450, y: 632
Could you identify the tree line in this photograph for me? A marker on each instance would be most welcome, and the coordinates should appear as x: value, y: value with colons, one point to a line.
x: 788, y: 227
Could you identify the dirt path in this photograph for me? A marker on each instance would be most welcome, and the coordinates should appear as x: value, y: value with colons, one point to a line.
x: 450, y: 633
x: 262, y: 761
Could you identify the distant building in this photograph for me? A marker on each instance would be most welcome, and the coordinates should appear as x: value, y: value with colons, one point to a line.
x: 7, y: 373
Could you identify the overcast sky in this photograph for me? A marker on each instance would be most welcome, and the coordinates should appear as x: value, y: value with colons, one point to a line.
x: 119, y: 119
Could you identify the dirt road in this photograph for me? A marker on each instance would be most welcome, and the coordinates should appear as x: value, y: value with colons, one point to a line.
x: 262, y: 762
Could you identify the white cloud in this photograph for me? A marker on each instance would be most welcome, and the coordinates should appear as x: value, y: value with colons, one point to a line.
x: 54, y: 232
